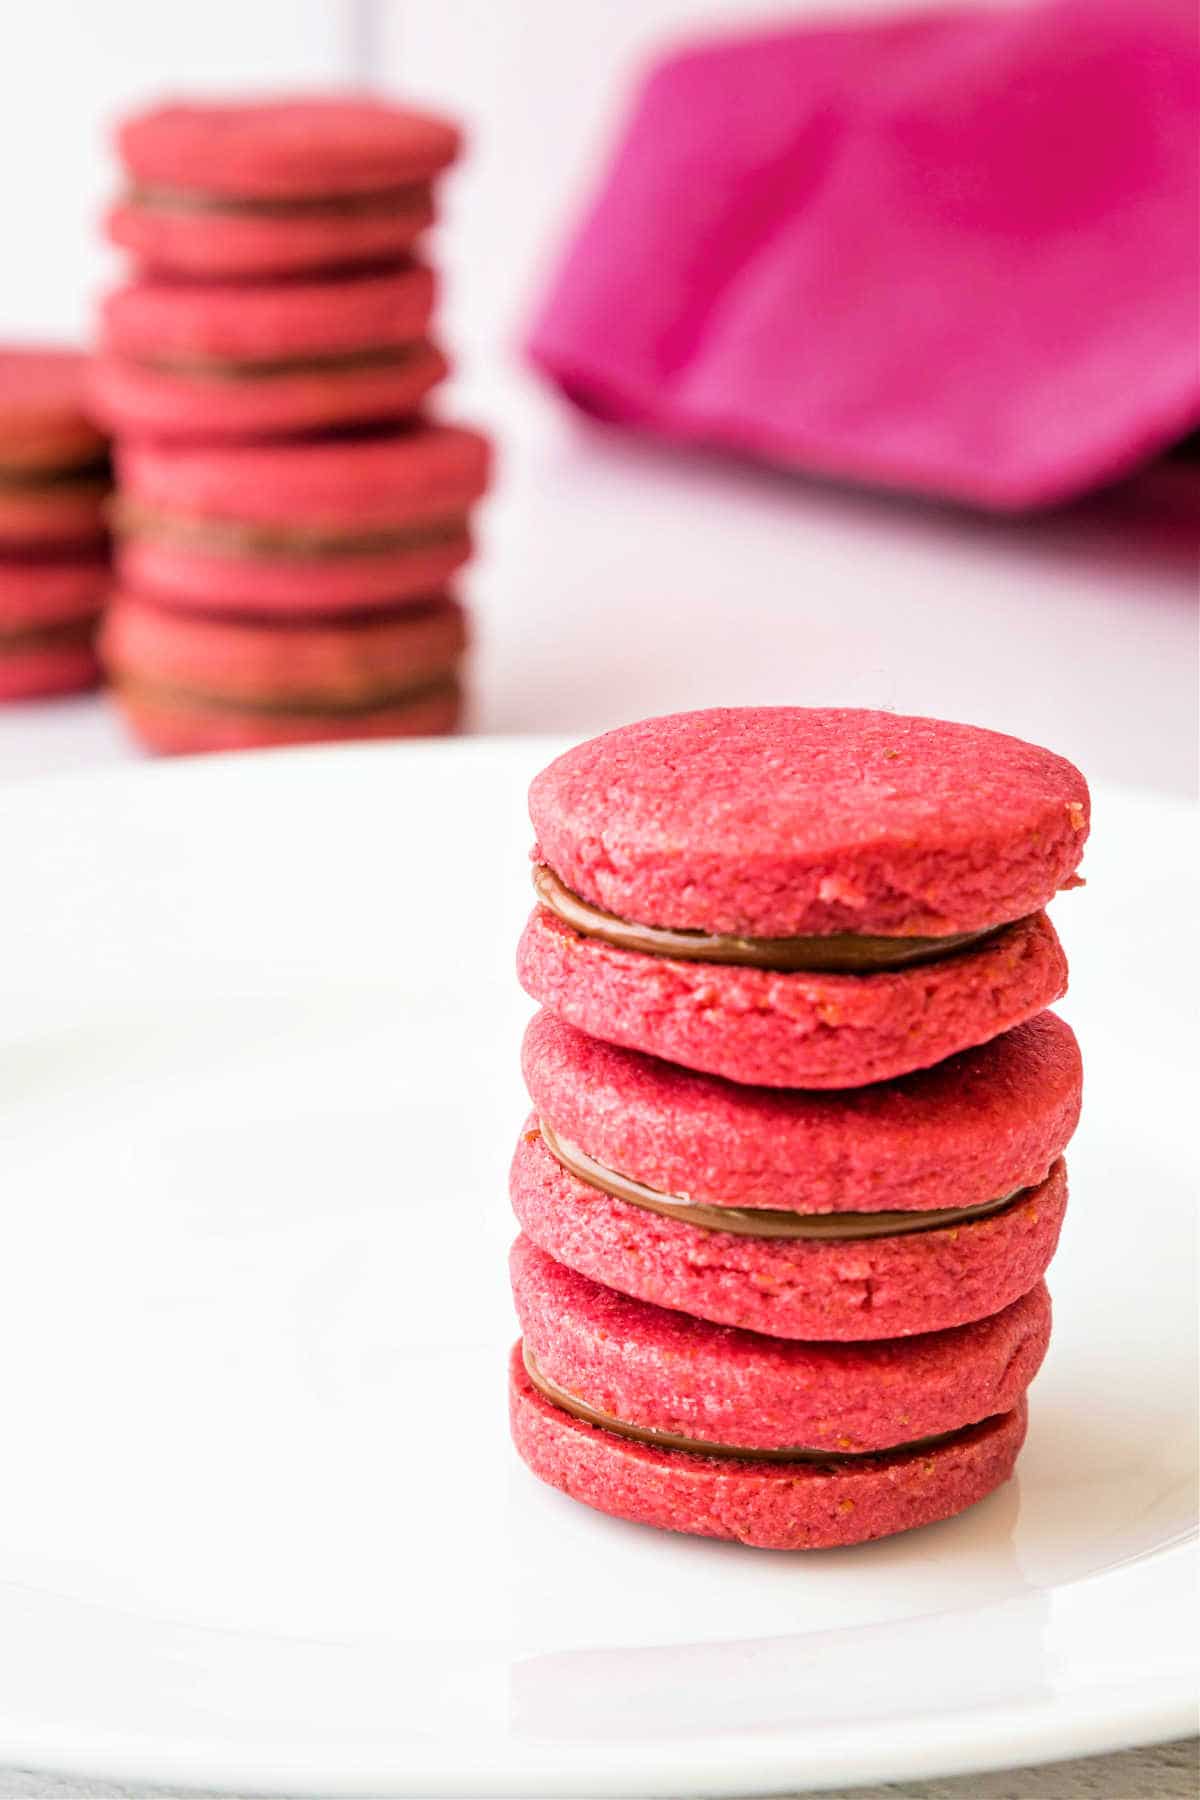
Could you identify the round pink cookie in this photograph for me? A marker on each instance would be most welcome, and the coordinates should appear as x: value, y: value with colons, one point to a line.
x: 53, y: 663
x: 771, y: 1505
x: 189, y: 406
x: 54, y: 514
x: 43, y: 422
x: 366, y: 483
x: 47, y: 617
x: 232, y: 323
x: 842, y: 1290
x: 285, y: 148
x: 213, y: 361
x: 300, y: 528
x: 38, y: 593
x: 186, y: 725
x: 787, y: 821
x: 274, y: 586
x: 192, y: 682
x: 983, y: 1123
x: 348, y: 663
x: 238, y: 243
x: 661, y: 1371
x: 270, y: 187
x: 793, y: 1030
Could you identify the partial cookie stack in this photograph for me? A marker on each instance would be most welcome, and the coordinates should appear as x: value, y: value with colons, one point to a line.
x: 54, y: 486
x: 289, y: 523
x: 794, y: 1173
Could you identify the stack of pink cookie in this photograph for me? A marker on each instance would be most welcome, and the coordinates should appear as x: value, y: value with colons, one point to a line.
x: 794, y: 1172
x: 289, y: 522
x: 54, y: 486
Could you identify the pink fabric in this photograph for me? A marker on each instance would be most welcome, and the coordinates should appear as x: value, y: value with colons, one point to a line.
x: 954, y: 253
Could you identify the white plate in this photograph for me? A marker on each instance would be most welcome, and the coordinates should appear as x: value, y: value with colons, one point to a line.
x: 260, y: 1525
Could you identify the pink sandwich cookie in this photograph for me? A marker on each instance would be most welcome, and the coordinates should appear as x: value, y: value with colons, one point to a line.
x: 796, y: 897
x: 277, y: 186
x: 54, y: 480
x: 44, y: 428
x: 665, y: 1421
x: 48, y: 615
x: 192, y: 683
x: 54, y: 514
x: 217, y: 362
x: 878, y: 1212
x: 292, y: 530
x: 54, y: 490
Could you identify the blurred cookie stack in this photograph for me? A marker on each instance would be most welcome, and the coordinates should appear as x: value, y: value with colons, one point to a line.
x: 288, y: 521
x: 54, y: 486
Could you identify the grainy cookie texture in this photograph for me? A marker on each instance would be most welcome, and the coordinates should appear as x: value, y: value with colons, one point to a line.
x: 774, y: 1506
x: 985, y: 1122
x: 794, y: 1172
x: 778, y: 821
x: 653, y: 1367
x: 793, y: 1030
x: 852, y: 1290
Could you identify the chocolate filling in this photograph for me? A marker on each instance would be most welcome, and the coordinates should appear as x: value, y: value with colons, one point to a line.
x: 163, y: 693
x: 86, y: 478
x: 68, y: 634
x: 671, y: 1440
x: 846, y: 953
x: 348, y: 362
x: 411, y: 197
x: 762, y: 1222
x: 131, y: 518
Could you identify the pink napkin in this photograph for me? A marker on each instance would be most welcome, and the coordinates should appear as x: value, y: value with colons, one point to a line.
x: 955, y: 253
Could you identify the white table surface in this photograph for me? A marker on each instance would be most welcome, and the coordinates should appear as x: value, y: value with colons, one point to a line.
x: 1168, y: 1772
x: 619, y: 579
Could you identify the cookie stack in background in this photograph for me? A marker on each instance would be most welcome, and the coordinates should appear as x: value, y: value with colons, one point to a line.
x: 794, y: 1173
x: 54, y: 487
x: 288, y: 520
